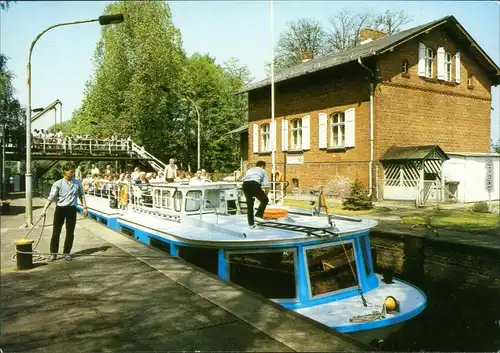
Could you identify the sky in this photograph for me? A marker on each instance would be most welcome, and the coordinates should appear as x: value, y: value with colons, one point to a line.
x: 61, y: 61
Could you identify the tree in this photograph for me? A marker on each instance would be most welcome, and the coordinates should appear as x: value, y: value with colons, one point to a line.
x: 306, y: 35
x: 347, y: 25
x: 4, y: 4
x: 356, y: 200
x: 211, y: 88
x: 496, y: 147
x: 12, y: 115
x: 302, y: 36
x: 144, y: 86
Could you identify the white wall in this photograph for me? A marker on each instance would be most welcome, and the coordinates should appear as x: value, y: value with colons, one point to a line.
x: 470, y: 172
x: 400, y: 193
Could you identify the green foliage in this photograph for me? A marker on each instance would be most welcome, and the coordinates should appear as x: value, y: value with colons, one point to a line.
x: 496, y: 147
x: 145, y: 87
x: 12, y: 115
x: 356, y: 200
x: 480, y: 207
x: 4, y: 4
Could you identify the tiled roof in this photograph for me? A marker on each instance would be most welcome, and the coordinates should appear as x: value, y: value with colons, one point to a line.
x: 414, y: 153
x: 372, y: 48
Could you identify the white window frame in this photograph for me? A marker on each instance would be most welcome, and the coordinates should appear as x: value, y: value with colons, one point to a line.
x: 296, y: 134
x: 448, y: 64
x: 336, y: 126
x: 470, y: 80
x: 265, y: 137
x: 429, y: 62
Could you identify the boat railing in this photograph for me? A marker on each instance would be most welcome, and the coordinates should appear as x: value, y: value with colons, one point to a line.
x: 277, y: 192
x: 154, y: 197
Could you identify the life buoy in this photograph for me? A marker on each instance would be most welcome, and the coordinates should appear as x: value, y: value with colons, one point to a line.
x: 277, y: 176
x: 275, y: 213
x: 124, y: 195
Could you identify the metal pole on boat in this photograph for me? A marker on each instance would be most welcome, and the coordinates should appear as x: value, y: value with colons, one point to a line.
x: 273, y: 139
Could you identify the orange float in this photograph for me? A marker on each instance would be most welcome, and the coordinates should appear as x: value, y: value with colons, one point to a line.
x: 275, y: 213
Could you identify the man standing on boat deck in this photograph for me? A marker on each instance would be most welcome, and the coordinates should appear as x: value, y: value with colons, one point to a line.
x: 171, y: 171
x: 253, y: 181
x: 65, y: 192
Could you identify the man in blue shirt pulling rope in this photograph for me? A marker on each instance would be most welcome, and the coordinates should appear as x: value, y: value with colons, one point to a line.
x: 65, y: 192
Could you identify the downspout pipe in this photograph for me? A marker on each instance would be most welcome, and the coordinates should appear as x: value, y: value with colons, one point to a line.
x: 370, y: 168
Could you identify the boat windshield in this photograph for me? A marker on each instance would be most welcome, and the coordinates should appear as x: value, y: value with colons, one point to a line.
x: 271, y: 273
x: 330, y: 268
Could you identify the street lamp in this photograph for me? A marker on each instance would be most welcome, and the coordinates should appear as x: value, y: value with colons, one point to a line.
x: 103, y: 20
x: 167, y: 89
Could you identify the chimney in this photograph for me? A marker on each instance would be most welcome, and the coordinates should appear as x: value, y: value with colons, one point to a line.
x: 367, y: 35
x: 306, y: 56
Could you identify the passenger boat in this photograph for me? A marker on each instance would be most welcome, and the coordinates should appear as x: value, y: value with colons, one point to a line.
x: 318, y: 265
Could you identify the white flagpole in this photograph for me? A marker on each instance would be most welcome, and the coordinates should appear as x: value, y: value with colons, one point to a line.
x: 273, y: 142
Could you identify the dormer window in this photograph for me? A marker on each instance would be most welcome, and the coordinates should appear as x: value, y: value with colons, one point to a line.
x: 404, y: 67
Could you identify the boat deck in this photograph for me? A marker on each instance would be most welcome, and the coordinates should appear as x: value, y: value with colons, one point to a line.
x: 337, y: 314
x: 217, y: 229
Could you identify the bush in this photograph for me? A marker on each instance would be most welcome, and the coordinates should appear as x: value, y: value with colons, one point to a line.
x: 356, y: 200
x: 480, y: 207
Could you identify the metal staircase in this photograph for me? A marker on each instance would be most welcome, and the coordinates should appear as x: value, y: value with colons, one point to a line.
x: 42, y: 167
x: 157, y: 165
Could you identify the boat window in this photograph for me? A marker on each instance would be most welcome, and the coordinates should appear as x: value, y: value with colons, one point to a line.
x: 365, y: 245
x: 329, y: 268
x: 166, y: 199
x: 271, y: 273
x: 193, y: 200
x: 157, y: 198
x: 178, y: 201
x: 212, y: 195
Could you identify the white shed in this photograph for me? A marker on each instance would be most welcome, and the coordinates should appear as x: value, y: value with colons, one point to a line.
x: 467, y: 176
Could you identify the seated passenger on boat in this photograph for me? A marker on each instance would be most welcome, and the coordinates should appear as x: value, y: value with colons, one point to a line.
x: 197, y: 179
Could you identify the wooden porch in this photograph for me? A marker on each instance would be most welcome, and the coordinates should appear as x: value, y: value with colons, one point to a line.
x: 414, y: 173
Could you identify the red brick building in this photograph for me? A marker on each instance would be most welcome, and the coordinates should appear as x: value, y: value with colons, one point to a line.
x: 337, y: 116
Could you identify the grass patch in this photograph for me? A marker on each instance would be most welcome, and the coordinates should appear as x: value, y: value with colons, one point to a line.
x: 335, y: 208
x: 466, y: 221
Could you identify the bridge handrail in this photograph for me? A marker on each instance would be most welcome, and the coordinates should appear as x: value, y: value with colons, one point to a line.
x: 145, y: 154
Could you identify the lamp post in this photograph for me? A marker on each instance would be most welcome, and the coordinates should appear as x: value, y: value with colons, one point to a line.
x: 103, y: 20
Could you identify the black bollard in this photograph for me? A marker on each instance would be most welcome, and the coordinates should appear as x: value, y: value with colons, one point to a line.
x: 24, y: 261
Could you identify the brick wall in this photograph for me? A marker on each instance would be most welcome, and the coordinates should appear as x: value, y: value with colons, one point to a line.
x: 325, y: 92
x: 409, y: 110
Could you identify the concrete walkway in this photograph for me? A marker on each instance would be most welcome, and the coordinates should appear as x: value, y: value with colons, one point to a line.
x: 128, y: 297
